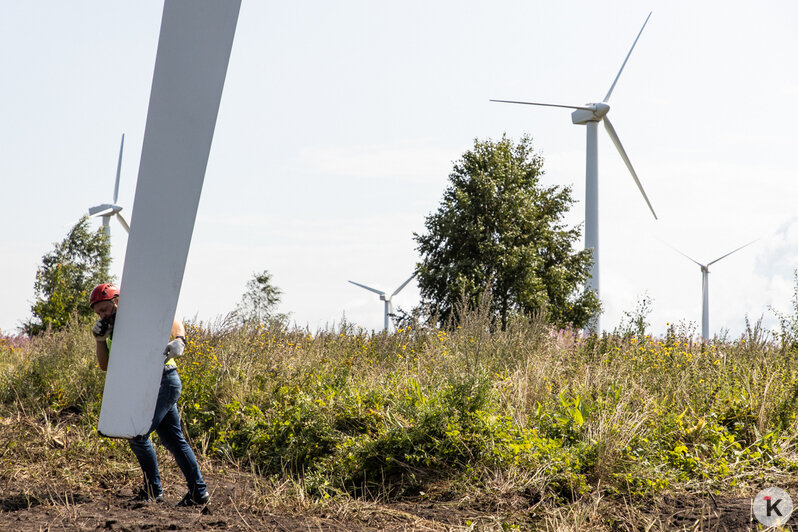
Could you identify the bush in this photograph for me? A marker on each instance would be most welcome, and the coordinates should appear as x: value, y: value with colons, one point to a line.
x: 390, y: 414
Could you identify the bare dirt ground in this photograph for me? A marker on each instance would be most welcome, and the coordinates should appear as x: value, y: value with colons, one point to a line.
x: 99, y: 508
x: 112, y: 509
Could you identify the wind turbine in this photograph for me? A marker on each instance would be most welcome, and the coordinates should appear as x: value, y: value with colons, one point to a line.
x: 383, y: 297
x: 106, y: 210
x: 705, y: 286
x: 590, y: 115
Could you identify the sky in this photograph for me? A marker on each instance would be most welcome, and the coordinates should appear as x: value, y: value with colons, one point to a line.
x: 340, y: 123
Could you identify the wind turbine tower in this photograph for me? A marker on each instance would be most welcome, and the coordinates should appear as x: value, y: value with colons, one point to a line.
x: 106, y: 210
x: 705, y: 287
x: 386, y: 298
x: 590, y: 115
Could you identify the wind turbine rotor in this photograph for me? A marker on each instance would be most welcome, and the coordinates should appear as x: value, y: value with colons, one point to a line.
x: 119, y: 169
x: 581, y: 107
x: 688, y: 257
x: 107, y: 210
x: 617, y: 141
x: 370, y: 289
x: 123, y: 222
x: 735, y: 251
x: 612, y: 87
x: 403, y: 285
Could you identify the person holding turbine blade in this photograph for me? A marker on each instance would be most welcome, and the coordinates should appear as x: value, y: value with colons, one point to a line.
x: 104, y: 301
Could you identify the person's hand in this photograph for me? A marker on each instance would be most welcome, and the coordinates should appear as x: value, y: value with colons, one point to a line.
x: 102, y: 329
x: 174, y: 348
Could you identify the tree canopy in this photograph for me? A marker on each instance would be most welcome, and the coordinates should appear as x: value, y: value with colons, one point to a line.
x: 259, y: 302
x: 499, y: 231
x: 67, y: 276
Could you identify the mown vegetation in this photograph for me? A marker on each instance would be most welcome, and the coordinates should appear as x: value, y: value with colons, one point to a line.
x: 565, y: 420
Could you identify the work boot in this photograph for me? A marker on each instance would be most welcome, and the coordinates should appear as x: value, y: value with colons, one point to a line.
x: 148, y: 496
x: 194, y: 500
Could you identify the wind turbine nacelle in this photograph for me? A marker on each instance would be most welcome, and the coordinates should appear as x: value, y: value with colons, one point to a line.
x: 596, y: 113
x: 106, y: 209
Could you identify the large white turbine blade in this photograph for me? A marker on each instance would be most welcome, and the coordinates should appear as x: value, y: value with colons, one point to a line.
x: 119, y: 169
x: 547, y: 105
x: 403, y: 285
x: 729, y: 253
x: 123, y: 222
x: 101, y: 210
x: 612, y: 87
x: 615, y: 140
x: 191, y: 61
x: 380, y: 292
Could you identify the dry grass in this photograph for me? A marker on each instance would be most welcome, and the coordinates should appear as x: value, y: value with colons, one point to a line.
x: 496, y: 429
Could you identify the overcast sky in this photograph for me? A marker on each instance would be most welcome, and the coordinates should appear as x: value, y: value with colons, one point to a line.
x: 340, y: 122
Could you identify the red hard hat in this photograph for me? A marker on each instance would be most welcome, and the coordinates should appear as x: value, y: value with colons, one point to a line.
x: 103, y: 292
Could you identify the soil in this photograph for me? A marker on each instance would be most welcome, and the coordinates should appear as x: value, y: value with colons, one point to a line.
x: 99, y: 508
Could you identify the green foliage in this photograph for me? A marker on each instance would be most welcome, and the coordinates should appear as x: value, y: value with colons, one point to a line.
x: 635, y: 323
x: 498, y: 230
x: 259, y: 302
x: 66, y: 278
x: 56, y: 370
x: 789, y: 322
x: 386, y: 415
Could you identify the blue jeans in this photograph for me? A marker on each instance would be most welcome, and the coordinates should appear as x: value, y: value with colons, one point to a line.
x: 166, y: 422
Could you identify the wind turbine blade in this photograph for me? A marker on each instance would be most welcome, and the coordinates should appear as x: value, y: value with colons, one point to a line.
x: 617, y: 142
x: 609, y: 93
x: 729, y: 253
x: 547, y: 104
x: 191, y: 60
x: 380, y: 292
x: 123, y: 222
x: 119, y: 168
x: 688, y: 257
x: 403, y: 285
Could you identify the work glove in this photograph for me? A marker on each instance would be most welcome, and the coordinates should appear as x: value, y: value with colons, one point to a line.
x: 102, y: 329
x: 174, y: 348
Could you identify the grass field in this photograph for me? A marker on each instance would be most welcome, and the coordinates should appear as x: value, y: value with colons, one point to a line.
x: 535, y: 427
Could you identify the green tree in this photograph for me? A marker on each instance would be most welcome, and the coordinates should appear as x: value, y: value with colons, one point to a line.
x: 259, y: 302
x: 67, y: 276
x: 499, y: 231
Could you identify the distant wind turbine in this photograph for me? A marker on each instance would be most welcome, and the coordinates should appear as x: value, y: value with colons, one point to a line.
x: 106, y: 210
x: 383, y: 297
x: 705, y: 286
x: 590, y: 115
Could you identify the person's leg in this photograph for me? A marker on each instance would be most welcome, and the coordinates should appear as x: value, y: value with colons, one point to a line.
x: 142, y: 446
x: 171, y: 435
x: 145, y: 453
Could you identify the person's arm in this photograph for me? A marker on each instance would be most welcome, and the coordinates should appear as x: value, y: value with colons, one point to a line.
x: 102, y: 354
x: 177, y: 343
x: 178, y: 329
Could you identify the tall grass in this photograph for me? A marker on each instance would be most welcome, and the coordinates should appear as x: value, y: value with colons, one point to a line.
x: 552, y: 414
